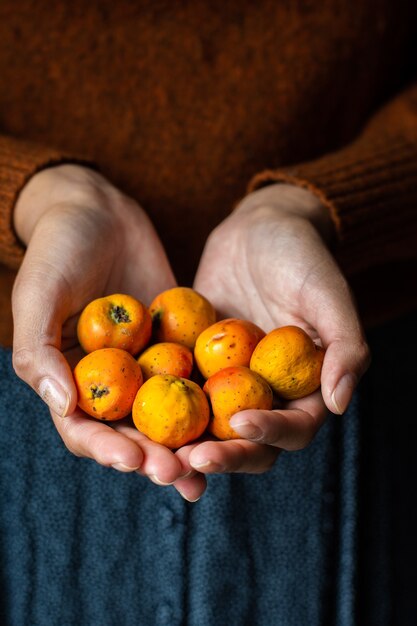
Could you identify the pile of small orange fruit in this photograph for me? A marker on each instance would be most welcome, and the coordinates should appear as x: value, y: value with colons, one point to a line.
x: 179, y: 372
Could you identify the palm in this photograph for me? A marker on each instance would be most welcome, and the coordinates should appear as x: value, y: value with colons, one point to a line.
x: 103, y: 259
x: 81, y: 250
x: 245, y: 275
x: 269, y: 265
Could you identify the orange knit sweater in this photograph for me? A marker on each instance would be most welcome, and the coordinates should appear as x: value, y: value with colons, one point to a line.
x: 188, y: 105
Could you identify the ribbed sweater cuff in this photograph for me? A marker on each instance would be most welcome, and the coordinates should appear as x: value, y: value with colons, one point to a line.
x: 371, y: 193
x: 19, y: 160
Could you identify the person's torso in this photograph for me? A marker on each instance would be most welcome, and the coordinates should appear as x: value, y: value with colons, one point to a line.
x: 180, y: 103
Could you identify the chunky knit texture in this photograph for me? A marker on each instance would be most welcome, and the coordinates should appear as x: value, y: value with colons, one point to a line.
x: 19, y: 160
x: 369, y: 187
x: 182, y: 104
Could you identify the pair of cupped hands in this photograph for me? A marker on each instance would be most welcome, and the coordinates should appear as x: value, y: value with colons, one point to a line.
x: 268, y: 262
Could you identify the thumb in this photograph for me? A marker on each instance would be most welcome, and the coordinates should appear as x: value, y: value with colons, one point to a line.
x: 40, y: 302
x: 347, y: 354
x: 345, y: 362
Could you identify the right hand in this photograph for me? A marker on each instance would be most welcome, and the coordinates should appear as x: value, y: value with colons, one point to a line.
x: 84, y: 239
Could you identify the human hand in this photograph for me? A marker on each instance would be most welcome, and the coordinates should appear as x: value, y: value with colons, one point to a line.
x: 85, y: 239
x: 268, y: 263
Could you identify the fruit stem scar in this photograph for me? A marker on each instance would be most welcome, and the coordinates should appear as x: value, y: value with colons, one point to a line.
x: 181, y: 385
x: 98, y: 391
x: 119, y: 314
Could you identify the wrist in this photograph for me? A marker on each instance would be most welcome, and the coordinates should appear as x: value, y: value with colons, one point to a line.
x: 292, y: 200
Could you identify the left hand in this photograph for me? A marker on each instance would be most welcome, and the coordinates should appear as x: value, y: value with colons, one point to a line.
x: 268, y: 262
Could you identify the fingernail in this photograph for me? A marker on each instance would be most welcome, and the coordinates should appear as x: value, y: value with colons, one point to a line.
x: 208, y: 465
x: 190, y: 473
x: 246, y: 429
x: 121, y: 467
x: 186, y: 498
x: 154, y: 478
x: 342, y: 395
x: 54, y: 395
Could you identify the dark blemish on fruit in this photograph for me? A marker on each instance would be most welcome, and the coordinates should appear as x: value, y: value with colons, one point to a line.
x: 119, y: 315
x: 98, y: 391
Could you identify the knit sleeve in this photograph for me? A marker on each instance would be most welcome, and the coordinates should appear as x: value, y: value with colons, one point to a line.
x: 369, y: 187
x: 19, y: 160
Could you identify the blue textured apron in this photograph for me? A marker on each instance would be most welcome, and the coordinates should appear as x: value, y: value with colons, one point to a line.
x: 85, y: 545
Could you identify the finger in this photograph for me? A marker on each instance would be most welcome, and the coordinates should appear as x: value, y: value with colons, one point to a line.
x: 235, y: 455
x: 56, y: 276
x: 94, y: 440
x: 183, y: 455
x: 347, y: 354
x: 344, y: 365
x: 191, y: 489
x: 291, y: 429
x: 40, y: 299
x: 159, y: 463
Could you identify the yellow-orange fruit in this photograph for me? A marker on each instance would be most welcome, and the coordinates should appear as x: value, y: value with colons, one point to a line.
x: 180, y: 314
x: 170, y: 410
x: 231, y: 390
x: 116, y: 321
x: 226, y: 343
x: 107, y: 381
x: 289, y: 360
x: 166, y: 358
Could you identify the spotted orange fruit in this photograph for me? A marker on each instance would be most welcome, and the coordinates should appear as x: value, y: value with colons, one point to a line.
x: 170, y: 410
x: 180, y: 314
x: 226, y: 343
x: 289, y: 360
x: 116, y: 321
x: 231, y: 390
x: 166, y: 358
x: 107, y: 381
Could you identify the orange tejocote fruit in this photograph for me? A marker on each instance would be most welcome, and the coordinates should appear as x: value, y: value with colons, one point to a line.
x: 180, y: 314
x: 226, y: 343
x: 107, y: 381
x: 116, y: 321
x: 170, y: 410
x: 166, y: 358
x: 231, y: 390
x: 289, y: 360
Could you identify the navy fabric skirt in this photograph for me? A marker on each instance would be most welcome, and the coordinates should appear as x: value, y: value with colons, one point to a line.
x: 309, y: 543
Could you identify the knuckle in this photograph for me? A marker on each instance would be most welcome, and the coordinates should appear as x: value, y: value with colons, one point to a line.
x: 23, y: 360
x: 66, y: 431
x: 72, y: 450
x: 363, y: 355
